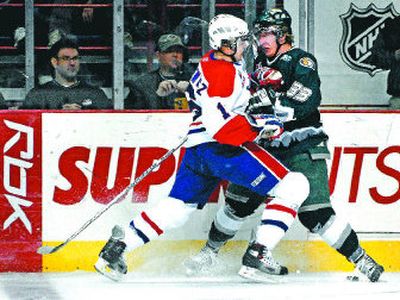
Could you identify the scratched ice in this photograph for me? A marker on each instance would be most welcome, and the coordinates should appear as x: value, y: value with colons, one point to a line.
x: 221, y: 285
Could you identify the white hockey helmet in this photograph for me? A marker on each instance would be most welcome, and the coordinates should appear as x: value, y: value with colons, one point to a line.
x: 224, y: 30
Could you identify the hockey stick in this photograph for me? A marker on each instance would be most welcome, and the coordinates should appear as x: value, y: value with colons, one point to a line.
x: 50, y: 249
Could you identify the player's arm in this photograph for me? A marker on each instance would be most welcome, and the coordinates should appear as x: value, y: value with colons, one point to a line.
x: 228, y: 127
x: 222, y: 92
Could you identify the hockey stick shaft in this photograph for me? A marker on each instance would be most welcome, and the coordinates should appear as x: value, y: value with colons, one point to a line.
x: 156, y: 164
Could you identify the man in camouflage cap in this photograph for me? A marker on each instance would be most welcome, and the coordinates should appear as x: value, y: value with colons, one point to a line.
x: 164, y: 87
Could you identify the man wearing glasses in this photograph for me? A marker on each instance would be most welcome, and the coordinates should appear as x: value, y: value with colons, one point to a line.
x: 65, y: 91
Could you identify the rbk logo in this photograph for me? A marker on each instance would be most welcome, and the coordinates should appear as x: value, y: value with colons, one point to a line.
x: 360, y: 29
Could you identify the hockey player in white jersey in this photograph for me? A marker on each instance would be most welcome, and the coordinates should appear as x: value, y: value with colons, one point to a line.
x: 220, y: 145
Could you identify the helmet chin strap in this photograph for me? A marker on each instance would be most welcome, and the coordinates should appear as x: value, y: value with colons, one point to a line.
x: 232, y: 56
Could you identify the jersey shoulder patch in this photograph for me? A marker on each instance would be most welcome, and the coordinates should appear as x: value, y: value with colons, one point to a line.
x: 220, y: 76
x: 307, y: 62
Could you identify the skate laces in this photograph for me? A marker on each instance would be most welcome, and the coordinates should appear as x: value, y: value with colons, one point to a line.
x: 366, y: 264
x: 267, y: 258
x: 205, y: 256
x: 203, y: 262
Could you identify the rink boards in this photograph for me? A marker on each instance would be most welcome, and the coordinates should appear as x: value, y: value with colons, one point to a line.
x: 59, y: 169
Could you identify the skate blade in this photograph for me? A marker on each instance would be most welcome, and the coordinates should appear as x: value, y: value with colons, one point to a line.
x: 357, y: 275
x: 258, y: 276
x: 102, y: 268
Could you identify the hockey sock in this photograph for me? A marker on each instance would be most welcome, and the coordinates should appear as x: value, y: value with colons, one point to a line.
x: 140, y: 231
x: 276, y: 219
x: 279, y: 214
x: 338, y: 234
x: 223, y: 228
x: 167, y: 214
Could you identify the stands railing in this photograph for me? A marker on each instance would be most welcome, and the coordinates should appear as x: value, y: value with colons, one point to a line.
x: 113, y: 54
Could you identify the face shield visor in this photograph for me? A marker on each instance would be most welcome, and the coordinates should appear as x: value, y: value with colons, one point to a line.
x: 261, y: 31
x: 247, y: 43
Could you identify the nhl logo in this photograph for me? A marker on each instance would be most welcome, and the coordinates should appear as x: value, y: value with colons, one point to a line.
x: 360, y: 29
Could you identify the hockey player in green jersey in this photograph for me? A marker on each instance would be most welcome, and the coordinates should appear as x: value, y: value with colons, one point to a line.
x: 288, y: 85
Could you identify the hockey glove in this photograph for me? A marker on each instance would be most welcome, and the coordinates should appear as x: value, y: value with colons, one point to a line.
x: 267, y: 78
x: 270, y: 127
x: 261, y: 98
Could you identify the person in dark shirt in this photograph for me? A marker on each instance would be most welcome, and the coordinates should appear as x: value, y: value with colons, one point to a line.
x: 385, y: 54
x: 164, y: 87
x: 87, y: 24
x: 65, y: 91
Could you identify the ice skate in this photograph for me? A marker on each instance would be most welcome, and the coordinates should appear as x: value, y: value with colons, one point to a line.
x: 111, y: 262
x: 259, y: 265
x: 202, y: 262
x: 369, y: 267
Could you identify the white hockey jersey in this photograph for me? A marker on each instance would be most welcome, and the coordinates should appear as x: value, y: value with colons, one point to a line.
x: 218, y: 94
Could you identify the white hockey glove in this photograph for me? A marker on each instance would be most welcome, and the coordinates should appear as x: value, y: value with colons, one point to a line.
x: 259, y: 99
x: 284, y: 113
x: 270, y: 127
x: 166, y: 88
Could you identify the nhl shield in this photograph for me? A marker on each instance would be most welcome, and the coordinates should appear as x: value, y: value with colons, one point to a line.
x: 360, y: 29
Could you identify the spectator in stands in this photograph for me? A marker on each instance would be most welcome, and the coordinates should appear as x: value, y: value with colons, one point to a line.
x: 11, y: 18
x: 65, y: 91
x: 164, y: 87
x: 386, y: 55
x: 88, y: 24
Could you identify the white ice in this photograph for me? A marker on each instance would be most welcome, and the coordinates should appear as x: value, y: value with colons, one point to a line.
x: 229, y: 286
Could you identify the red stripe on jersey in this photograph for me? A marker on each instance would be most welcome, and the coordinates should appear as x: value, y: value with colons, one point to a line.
x: 152, y: 224
x: 270, y: 162
x: 236, y: 132
x: 196, y: 123
x: 220, y: 76
x: 282, y: 208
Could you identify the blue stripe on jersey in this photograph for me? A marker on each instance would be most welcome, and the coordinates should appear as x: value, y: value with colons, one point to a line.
x: 197, y: 130
x: 277, y: 223
x: 195, y: 76
x: 139, y: 232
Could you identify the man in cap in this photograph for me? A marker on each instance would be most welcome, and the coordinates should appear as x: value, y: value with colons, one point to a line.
x: 164, y: 87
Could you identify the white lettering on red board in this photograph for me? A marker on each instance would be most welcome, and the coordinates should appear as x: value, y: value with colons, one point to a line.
x: 15, y: 172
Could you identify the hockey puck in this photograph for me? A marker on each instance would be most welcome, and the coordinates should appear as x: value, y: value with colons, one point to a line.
x: 353, y: 278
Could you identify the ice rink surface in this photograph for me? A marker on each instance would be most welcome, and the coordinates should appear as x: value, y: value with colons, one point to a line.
x: 137, y: 285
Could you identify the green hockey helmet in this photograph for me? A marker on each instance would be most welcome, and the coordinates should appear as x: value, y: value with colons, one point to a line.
x: 276, y: 20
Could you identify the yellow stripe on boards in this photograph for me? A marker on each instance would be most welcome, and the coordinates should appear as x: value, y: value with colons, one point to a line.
x: 167, y: 256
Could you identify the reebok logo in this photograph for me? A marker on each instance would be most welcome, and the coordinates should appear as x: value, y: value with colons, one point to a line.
x: 259, y: 178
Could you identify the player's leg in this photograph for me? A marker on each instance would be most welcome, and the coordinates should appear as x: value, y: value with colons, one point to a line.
x: 190, y: 189
x: 318, y: 216
x: 279, y: 214
x: 261, y: 173
x: 264, y: 174
x: 239, y: 203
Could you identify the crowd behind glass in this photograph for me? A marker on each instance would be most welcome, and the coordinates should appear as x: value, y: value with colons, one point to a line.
x: 90, y: 24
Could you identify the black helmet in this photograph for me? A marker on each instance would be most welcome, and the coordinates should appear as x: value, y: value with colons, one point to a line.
x: 274, y: 17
